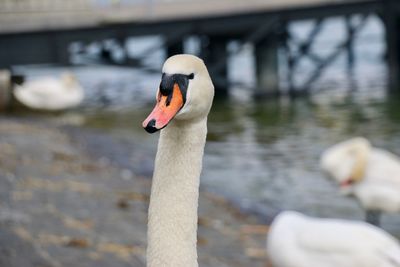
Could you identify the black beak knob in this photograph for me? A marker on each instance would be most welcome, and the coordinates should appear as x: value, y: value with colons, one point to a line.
x: 151, y: 126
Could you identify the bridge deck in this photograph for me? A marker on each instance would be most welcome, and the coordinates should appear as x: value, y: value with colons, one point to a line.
x: 41, y: 15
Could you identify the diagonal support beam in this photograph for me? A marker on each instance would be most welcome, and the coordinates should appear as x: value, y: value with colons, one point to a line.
x: 321, y: 67
x: 305, y: 46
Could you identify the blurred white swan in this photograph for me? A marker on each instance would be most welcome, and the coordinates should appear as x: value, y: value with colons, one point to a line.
x: 50, y: 94
x: 371, y: 174
x: 295, y: 240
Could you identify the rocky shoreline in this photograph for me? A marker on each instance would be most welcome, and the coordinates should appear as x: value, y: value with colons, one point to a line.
x: 64, y: 205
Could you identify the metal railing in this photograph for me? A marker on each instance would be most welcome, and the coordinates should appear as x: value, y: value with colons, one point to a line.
x: 31, y: 15
x: 27, y: 6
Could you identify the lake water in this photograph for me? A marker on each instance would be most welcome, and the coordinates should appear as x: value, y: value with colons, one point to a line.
x: 263, y: 155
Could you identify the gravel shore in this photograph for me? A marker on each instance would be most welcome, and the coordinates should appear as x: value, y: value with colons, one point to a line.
x: 61, y: 205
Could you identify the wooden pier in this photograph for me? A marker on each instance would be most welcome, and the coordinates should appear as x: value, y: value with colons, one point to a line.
x: 41, y: 31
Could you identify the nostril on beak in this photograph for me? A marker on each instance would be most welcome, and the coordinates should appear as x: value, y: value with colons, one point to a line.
x: 151, y: 126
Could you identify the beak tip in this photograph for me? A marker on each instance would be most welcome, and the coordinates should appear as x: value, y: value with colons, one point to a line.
x: 151, y: 126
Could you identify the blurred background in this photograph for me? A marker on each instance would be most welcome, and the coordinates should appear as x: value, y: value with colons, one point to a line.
x: 292, y: 77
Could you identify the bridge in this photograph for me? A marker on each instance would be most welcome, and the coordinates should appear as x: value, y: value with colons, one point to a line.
x: 42, y: 31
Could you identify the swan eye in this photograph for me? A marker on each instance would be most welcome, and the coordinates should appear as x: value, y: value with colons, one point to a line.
x: 190, y: 76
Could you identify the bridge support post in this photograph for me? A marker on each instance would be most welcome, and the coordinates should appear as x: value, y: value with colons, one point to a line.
x: 5, y: 89
x: 58, y: 49
x: 350, y: 43
x: 391, y: 19
x: 174, y: 49
x: 267, y: 71
x: 215, y: 55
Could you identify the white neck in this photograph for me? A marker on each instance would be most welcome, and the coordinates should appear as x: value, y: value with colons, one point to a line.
x: 172, y: 225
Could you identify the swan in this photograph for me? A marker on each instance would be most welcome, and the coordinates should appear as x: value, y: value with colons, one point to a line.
x: 296, y: 240
x: 370, y: 174
x: 183, y: 101
x: 49, y: 93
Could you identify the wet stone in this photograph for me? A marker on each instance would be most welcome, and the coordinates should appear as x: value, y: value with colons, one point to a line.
x: 76, y: 197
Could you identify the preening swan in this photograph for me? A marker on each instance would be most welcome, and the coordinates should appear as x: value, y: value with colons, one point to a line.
x: 371, y: 174
x: 49, y: 93
x: 295, y: 240
x: 183, y: 102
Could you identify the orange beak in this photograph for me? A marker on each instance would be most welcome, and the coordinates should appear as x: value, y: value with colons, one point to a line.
x: 166, y: 108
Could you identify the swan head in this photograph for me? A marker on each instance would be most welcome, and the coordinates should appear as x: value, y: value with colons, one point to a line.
x: 346, y: 162
x: 185, y: 93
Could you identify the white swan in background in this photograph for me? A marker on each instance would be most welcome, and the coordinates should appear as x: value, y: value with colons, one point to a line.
x: 49, y: 93
x: 371, y: 174
x: 295, y: 240
x: 183, y: 102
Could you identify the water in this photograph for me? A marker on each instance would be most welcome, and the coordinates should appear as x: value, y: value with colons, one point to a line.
x: 263, y: 155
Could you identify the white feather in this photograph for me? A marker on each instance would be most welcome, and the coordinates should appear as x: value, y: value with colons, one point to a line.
x: 379, y: 188
x: 296, y: 240
x: 49, y: 93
